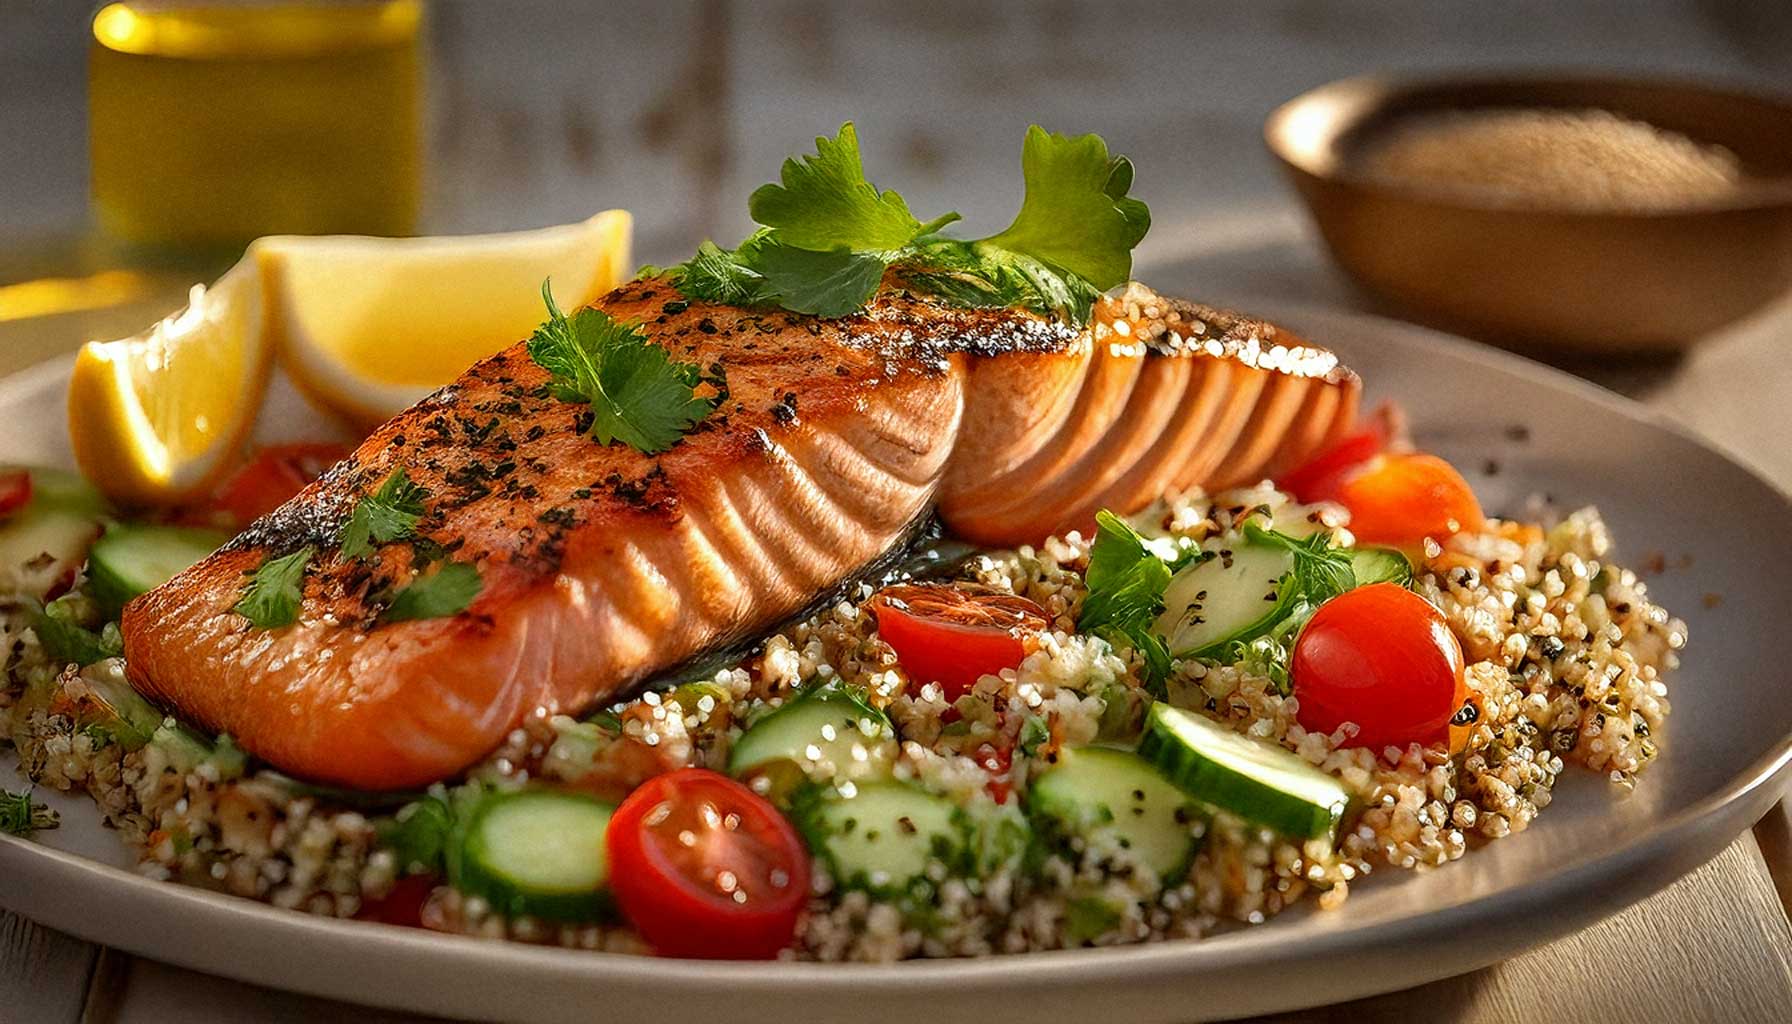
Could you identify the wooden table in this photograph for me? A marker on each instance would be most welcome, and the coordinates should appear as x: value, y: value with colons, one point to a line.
x: 676, y: 110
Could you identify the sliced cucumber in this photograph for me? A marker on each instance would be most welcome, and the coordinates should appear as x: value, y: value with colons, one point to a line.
x: 828, y: 731
x: 1234, y: 596
x: 135, y: 559
x: 1091, y: 789
x: 881, y: 836
x: 42, y: 545
x: 1380, y: 565
x: 1257, y: 781
x: 535, y: 852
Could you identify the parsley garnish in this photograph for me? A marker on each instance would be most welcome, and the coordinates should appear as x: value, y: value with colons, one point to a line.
x: 447, y: 591
x: 829, y: 235
x: 20, y: 815
x: 275, y: 591
x: 1321, y: 572
x: 638, y: 394
x: 388, y: 514
x: 67, y: 642
x: 1126, y: 582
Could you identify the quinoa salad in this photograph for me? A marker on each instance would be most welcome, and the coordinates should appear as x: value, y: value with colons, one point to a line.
x: 1563, y: 651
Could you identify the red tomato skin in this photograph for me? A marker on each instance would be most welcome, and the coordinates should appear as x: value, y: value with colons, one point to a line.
x: 1317, y: 478
x: 271, y: 476
x: 1380, y: 656
x: 15, y: 490
x: 953, y: 655
x: 403, y: 905
x: 1403, y: 499
x: 674, y: 915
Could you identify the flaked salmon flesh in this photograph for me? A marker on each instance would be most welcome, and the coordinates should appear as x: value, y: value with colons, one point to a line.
x: 603, y: 567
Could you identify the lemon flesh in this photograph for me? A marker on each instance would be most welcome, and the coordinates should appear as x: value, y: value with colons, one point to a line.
x: 367, y: 326
x: 159, y: 416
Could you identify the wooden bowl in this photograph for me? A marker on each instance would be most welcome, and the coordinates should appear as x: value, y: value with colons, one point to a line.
x: 1591, y: 281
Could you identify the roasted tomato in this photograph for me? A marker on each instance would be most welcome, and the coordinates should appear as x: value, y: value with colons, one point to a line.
x: 15, y: 490
x: 1403, y: 499
x: 1380, y: 656
x: 1317, y: 478
x: 272, y: 475
x: 706, y: 868
x: 955, y: 634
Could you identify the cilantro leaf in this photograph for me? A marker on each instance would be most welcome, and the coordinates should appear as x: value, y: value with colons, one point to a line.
x: 1321, y: 572
x: 831, y: 284
x: 67, y: 642
x: 20, y: 815
x: 828, y: 234
x: 447, y: 591
x: 275, y: 591
x: 390, y: 513
x: 637, y: 393
x: 1126, y: 582
x: 1076, y: 215
x: 825, y: 202
x: 717, y: 275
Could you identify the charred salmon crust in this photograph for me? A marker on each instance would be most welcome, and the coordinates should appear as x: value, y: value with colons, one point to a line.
x: 600, y: 565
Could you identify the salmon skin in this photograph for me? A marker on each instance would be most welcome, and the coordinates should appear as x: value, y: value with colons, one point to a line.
x: 603, y: 567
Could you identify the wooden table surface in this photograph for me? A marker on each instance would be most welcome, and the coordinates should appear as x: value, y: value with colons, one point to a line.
x: 676, y: 110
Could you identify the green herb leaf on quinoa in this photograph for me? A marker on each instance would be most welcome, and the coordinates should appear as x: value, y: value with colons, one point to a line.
x: 275, y: 591
x: 390, y: 513
x: 20, y: 815
x: 1126, y: 581
x: 67, y: 641
x: 1321, y: 571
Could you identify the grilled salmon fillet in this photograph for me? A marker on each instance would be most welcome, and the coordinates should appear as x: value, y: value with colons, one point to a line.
x: 602, y: 566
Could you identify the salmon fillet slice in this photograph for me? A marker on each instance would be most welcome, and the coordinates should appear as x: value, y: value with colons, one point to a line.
x: 603, y: 567
x: 1167, y: 396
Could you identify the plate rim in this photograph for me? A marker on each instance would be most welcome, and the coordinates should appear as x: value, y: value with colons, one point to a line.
x: 1646, y: 862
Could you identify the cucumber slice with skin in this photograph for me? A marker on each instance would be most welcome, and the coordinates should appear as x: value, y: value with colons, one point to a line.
x: 1258, y: 781
x: 135, y: 559
x: 1380, y: 565
x: 881, y: 836
x: 1091, y: 789
x: 535, y: 852
x: 1236, y: 595
x: 828, y: 731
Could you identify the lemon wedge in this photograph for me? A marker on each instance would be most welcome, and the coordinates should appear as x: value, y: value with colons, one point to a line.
x: 159, y: 416
x: 367, y: 326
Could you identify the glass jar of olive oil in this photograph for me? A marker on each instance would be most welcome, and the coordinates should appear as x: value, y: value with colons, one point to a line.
x: 213, y: 122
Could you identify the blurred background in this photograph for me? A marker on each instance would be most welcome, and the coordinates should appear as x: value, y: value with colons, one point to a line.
x: 488, y: 116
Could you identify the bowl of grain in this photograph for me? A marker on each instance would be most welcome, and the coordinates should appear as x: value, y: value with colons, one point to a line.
x: 1595, y: 214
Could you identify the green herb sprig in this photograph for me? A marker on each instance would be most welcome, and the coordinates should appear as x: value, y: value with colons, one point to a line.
x: 637, y: 393
x: 829, y: 235
x: 20, y: 815
x: 434, y: 595
x: 276, y: 590
x: 390, y: 513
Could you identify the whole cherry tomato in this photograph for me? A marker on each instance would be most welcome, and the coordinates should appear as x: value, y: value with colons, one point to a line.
x: 1380, y: 656
x: 1403, y: 499
x: 706, y: 868
x: 955, y: 634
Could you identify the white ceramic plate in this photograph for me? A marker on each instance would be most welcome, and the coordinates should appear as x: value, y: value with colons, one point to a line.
x: 1726, y: 749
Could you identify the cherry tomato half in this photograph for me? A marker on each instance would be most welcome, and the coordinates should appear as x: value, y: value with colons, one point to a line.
x: 403, y: 904
x: 15, y: 490
x: 1403, y: 499
x: 955, y: 634
x: 706, y: 868
x: 272, y: 475
x: 1380, y: 656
